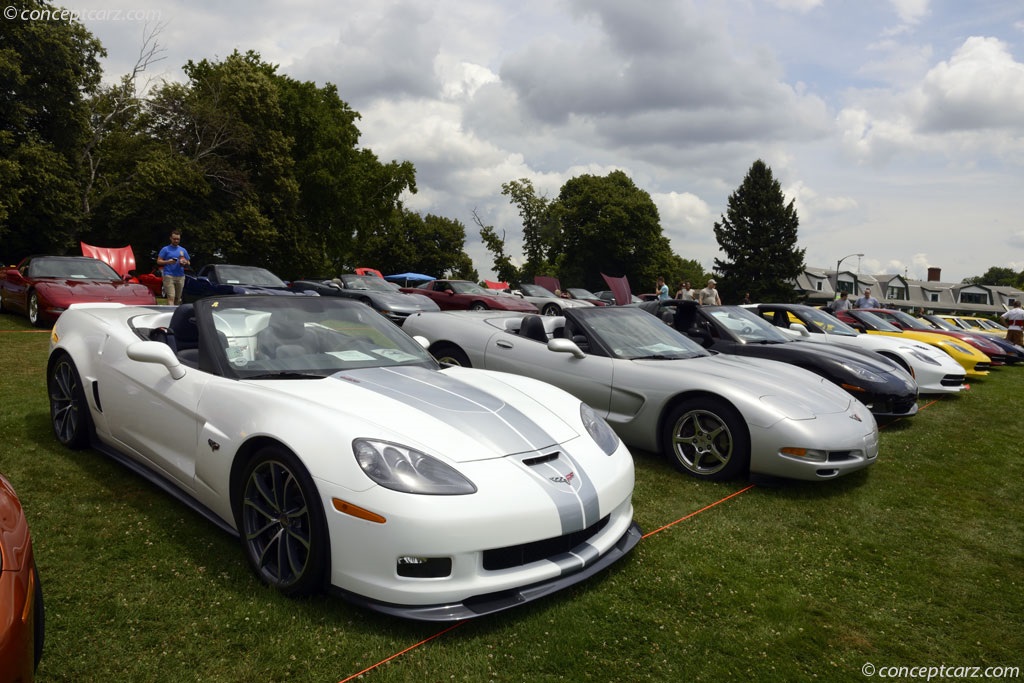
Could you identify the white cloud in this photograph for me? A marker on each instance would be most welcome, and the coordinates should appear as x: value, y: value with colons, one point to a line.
x: 891, y: 139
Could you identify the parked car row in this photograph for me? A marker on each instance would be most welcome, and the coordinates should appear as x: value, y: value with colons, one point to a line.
x: 478, y: 457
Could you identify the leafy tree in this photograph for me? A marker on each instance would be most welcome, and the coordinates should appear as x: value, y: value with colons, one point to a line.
x: 997, y: 275
x: 47, y: 71
x: 686, y: 270
x: 610, y: 226
x: 502, y: 263
x: 758, y: 235
x: 542, y: 234
x: 409, y: 242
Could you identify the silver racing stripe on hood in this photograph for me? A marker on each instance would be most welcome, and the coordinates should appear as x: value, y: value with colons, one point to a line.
x: 569, y: 487
x: 474, y: 412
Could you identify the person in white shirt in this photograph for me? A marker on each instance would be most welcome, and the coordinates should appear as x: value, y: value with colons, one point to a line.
x: 709, y: 295
x: 1014, y: 319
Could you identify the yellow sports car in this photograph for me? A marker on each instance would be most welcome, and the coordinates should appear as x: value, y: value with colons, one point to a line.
x: 974, y: 362
x: 971, y: 323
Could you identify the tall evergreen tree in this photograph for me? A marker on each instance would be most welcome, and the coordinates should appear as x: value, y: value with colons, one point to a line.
x: 758, y: 234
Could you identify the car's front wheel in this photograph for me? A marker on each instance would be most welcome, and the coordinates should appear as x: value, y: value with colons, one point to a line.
x: 33, y: 310
x: 449, y: 354
x: 552, y: 309
x: 69, y: 412
x: 707, y: 438
x: 281, y: 523
x: 478, y: 306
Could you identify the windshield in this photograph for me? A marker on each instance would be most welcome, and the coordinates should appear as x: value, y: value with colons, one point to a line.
x: 579, y: 293
x: 247, y: 275
x: 537, y: 290
x: 826, y: 322
x: 908, y: 320
x: 942, y: 324
x: 368, y: 282
x: 745, y: 326
x: 874, y: 322
x: 72, y: 269
x: 263, y: 336
x: 632, y: 334
x: 463, y: 287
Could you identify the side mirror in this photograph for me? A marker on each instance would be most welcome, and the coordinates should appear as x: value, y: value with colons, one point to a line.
x: 566, y: 346
x: 801, y: 328
x: 156, y: 352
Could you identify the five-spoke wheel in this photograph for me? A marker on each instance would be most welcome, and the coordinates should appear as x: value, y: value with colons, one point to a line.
x: 708, y: 439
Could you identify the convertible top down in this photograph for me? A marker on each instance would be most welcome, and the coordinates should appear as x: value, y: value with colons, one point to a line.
x: 343, y: 456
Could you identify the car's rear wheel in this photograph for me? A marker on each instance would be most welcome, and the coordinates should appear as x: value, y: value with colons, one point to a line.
x: 33, y: 310
x: 478, y: 306
x: 552, y: 309
x: 707, y: 438
x: 69, y: 412
x: 449, y: 354
x: 281, y: 523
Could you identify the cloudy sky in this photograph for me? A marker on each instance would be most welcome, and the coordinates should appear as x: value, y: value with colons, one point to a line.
x: 896, y: 125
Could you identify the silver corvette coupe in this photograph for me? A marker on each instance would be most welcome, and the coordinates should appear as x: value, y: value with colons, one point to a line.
x: 713, y: 416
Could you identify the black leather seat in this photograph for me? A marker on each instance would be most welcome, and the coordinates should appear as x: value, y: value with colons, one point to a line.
x: 533, y: 328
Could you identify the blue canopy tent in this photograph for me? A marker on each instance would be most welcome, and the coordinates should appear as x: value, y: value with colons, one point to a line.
x: 406, y: 278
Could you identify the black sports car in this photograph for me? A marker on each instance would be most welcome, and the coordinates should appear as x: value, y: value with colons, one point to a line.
x: 225, y: 279
x: 377, y: 293
x: 884, y: 387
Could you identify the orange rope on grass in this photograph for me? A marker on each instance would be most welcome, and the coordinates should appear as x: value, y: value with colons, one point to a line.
x: 460, y: 623
x: 399, y: 654
x: 697, y: 512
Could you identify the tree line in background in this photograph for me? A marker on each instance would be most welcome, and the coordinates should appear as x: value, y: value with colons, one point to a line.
x: 258, y: 168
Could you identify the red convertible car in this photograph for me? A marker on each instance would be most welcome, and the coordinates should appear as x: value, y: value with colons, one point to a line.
x: 21, y: 595
x: 462, y: 295
x: 43, y: 287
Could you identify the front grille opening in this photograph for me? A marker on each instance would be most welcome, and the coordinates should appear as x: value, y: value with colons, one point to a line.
x: 519, y: 555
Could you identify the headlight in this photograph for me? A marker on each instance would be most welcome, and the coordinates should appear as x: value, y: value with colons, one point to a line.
x: 404, y: 469
x: 863, y: 373
x: 598, y: 429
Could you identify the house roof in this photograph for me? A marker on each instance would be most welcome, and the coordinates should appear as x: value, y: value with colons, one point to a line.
x: 894, y: 290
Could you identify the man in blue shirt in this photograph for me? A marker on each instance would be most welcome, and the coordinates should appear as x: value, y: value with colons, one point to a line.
x: 662, y: 289
x: 173, y: 258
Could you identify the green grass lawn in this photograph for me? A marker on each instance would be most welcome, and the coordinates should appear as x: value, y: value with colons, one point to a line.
x: 918, y: 561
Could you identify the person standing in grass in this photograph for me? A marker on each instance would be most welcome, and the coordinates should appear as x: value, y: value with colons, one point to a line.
x: 1014, y: 319
x: 173, y: 258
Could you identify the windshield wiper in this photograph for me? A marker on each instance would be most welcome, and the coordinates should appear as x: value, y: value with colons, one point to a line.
x: 285, y: 374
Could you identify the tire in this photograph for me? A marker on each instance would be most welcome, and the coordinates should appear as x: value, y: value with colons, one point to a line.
x: 478, y: 306
x: 706, y: 438
x: 281, y: 523
x: 450, y: 354
x: 32, y: 310
x: 69, y: 412
x: 551, y: 309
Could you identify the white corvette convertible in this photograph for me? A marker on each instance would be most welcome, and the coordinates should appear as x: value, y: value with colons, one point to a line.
x: 341, y: 454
